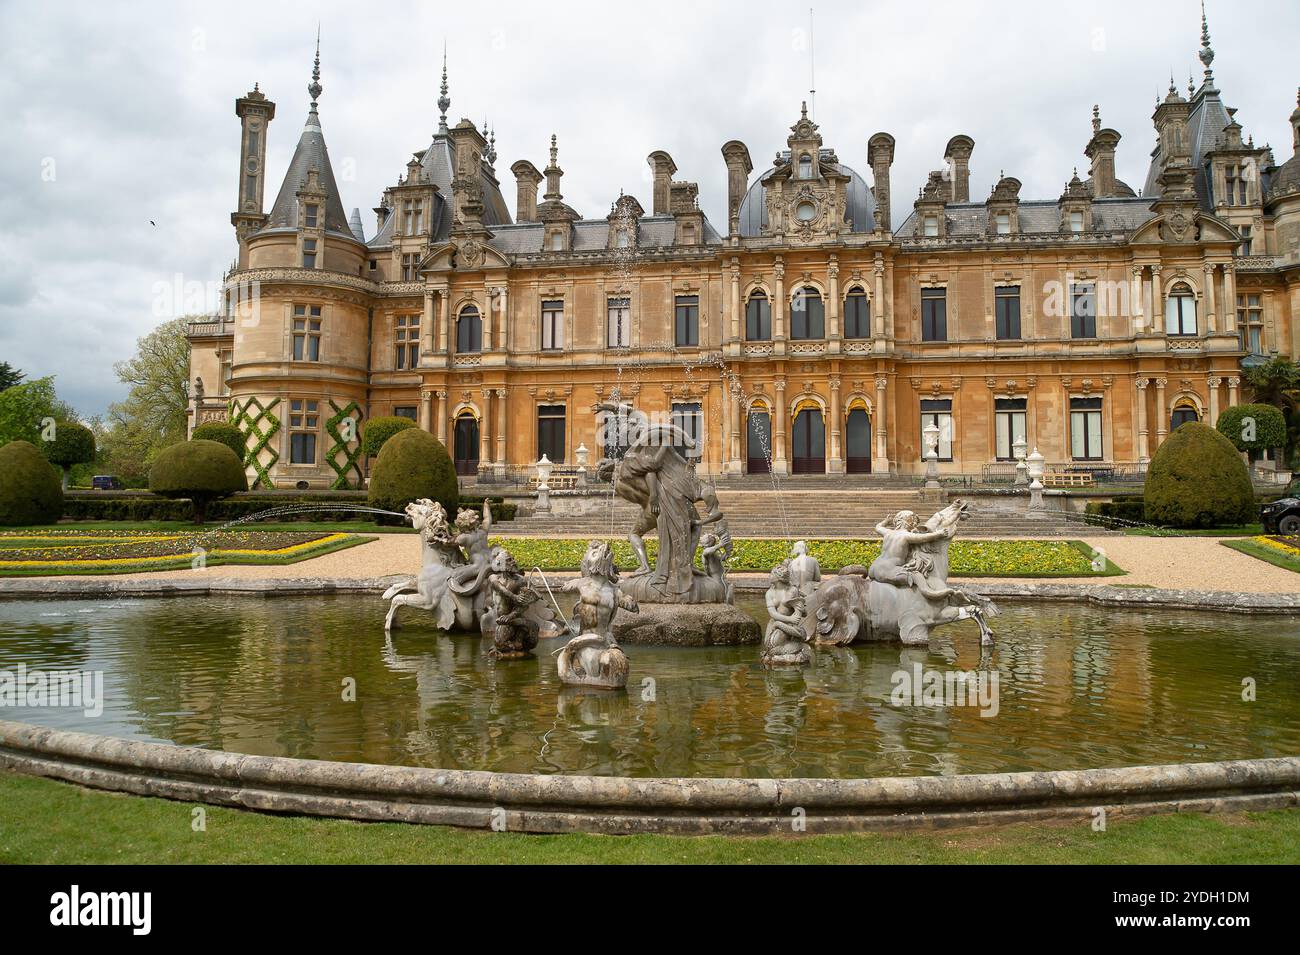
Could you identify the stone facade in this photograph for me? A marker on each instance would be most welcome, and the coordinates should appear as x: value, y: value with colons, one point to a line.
x: 809, y: 334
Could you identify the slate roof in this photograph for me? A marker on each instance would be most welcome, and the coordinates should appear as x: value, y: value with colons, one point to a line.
x: 592, y: 235
x: 1205, y: 125
x: 1038, y: 217
x: 309, y: 154
x: 860, y: 209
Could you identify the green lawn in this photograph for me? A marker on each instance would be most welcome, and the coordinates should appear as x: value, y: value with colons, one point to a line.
x: 49, y: 822
x: 1264, y: 552
x: 1243, y: 530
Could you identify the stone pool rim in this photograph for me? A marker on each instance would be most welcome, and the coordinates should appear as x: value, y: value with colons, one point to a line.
x: 1107, y: 595
x: 620, y: 805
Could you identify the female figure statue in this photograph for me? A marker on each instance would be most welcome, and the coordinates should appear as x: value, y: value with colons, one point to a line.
x: 593, y: 658
x: 784, y: 641
x: 514, y: 634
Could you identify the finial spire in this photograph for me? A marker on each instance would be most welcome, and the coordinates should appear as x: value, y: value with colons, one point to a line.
x: 555, y: 151
x: 1207, y: 52
x: 1096, y: 118
x: 314, y: 89
x: 444, y: 101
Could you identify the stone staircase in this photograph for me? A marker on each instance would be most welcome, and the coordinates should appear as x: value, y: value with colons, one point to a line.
x: 822, y: 513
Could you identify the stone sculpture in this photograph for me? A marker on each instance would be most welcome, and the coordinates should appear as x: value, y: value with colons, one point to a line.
x: 514, y: 634
x: 805, y: 572
x: 785, y: 640
x: 905, y: 591
x: 593, y: 658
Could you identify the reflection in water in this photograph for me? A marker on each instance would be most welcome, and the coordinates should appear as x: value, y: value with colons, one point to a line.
x: 1080, y: 687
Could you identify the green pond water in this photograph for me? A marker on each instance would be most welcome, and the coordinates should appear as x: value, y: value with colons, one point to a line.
x: 1078, y: 687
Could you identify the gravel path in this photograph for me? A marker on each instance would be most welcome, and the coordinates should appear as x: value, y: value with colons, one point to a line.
x: 1186, y: 563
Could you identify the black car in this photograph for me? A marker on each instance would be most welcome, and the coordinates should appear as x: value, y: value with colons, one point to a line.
x: 1281, y: 517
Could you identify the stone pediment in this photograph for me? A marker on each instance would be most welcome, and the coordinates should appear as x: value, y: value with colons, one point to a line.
x: 468, y: 254
x: 1181, y: 222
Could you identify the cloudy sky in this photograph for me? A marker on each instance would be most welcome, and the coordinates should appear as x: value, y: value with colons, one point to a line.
x: 116, y: 116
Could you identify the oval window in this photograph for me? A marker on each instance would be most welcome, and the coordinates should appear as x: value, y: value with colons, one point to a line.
x: 805, y: 212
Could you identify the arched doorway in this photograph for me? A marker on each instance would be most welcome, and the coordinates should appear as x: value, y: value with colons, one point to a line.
x: 857, y: 441
x: 758, y: 441
x: 809, y: 442
x: 1183, y: 413
x: 465, y: 444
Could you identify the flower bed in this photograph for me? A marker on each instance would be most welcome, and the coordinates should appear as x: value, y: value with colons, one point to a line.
x: 1273, y: 549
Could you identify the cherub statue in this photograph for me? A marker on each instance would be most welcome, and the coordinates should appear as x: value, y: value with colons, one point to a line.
x: 514, y: 634
x: 713, y: 553
x: 785, y: 642
x: 593, y: 658
x: 472, y: 537
x: 805, y: 572
x: 899, y: 540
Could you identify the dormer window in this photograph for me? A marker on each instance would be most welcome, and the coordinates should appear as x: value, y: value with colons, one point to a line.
x: 1003, y: 223
x: 623, y: 242
x: 1076, y: 221
x: 557, y: 243
x: 931, y: 227
x: 309, y: 253
x: 805, y: 167
x: 312, y: 211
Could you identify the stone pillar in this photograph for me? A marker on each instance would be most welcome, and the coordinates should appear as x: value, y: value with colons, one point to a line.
x: 502, y: 320
x: 440, y: 409
x: 1162, y: 413
x: 1157, y: 303
x: 836, y: 463
x: 780, y: 464
x: 444, y: 323
x: 737, y: 307
x: 426, y: 410
x: 1137, y: 303
x: 484, y: 433
x: 724, y: 439
x: 1208, y: 300
x: 1149, y: 304
x: 737, y: 424
x: 778, y: 306
x: 878, y: 299
x: 834, y: 331
x: 880, y: 460
x: 500, y: 464
x: 1233, y: 396
x: 428, y: 331
x: 1213, y: 384
x: 1144, y: 454
x: 1229, y: 300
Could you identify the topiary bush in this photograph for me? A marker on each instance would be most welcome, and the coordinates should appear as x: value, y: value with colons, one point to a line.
x: 376, y: 432
x: 30, y: 489
x: 224, y: 433
x: 73, y: 444
x: 413, y: 464
x: 1264, y: 422
x: 1197, y: 479
x: 202, y: 471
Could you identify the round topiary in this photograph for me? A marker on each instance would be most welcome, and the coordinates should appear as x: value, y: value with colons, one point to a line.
x: 203, y: 471
x: 30, y: 489
x: 413, y: 464
x: 1197, y: 479
x: 376, y: 432
x: 222, y: 432
x: 1253, y: 427
x: 73, y: 443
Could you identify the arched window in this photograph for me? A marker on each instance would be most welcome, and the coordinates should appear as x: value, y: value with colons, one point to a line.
x: 758, y: 318
x: 857, y: 314
x: 1180, y: 311
x: 805, y: 167
x: 469, y: 331
x: 807, y: 314
x: 1183, y: 413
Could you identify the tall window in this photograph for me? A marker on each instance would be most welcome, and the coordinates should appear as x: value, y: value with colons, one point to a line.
x: 553, y: 325
x: 227, y: 370
x: 413, y: 216
x: 1083, y: 311
x: 931, y: 227
x: 758, y: 318
x: 934, y: 315
x: 1076, y: 221
x: 1244, y: 247
x: 937, y: 412
x: 312, y: 214
x: 409, y: 263
x: 550, y: 432
x: 1085, y: 429
x: 807, y: 314
x: 619, y: 314
x: 1180, y: 312
x: 1235, y: 178
x: 1002, y: 223
x: 687, y: 416
x: 1250, y: 324
x: 1009, y: 421
x: 857, y: 314
x: 306, y: 332
x: 687, y: 321
x: 805, y: 167
x: 309, y: 253
x: 1006, y: 301
x: 469, y: 331
x: 406, y: 338
x: 304, y: 424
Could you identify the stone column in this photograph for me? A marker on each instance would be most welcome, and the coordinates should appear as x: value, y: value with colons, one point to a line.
x: 503, y: 320
x: 426, y: 410
x: 1229, y: 300
x: 1157, y: 303
x: 724, y: 439
x: 878, y: 299
x: 484, y: 432
x: 500, y: 466
x: 1149, y: 304
x: 880, y: 460
x: 737, y: 423
x: 780, y: 465
x: 1213, y: 385
x: 440, y: 409
x: 427, y: 329
x: 1233, y: 397
x: 778, y: 306
x: 1137, y: 303
x: 444, y: 323
x: 836, y: 463
x: 833, y: 308
x: 1208, y: 309
x: 737, y: 307
x: 1162, y: 413
x: 1144, y: 455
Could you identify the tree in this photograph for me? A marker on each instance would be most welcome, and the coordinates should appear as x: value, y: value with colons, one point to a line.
x: 153, y: 414
x: 1197, y: 479
x: 377, y: 431
x: 413, y: 464
x: 9, y: 376
x: 202, y: 471
x: 1277, y: 382
x: 27, y: 410
x: 73, y: 443
x: 1253, y: 427
x: 223, y: 432
x: 29, y: 486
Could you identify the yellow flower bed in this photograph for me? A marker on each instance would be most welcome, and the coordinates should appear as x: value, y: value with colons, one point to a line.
x: 100, y: 551
x: 1276, y: 544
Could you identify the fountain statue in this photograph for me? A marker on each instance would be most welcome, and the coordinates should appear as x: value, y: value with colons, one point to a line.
x: 805, y: 572
x: 905, y: 591
x: 593, y: 657
x: 785, y: 643
x: 514, y: 633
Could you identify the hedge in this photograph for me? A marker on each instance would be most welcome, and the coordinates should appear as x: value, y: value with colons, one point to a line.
x: 1128, y: 507
x: 31, y: 491
x: 1197, y: 479
x: 1268, y: 424
x: 413, y: 465
x: 198, y: 471
x: 223, y: 433
x: 141, y: 508
x: 376, y: 432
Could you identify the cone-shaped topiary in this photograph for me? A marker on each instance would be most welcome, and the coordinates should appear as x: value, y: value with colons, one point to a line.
x: 413, y: 464
x: 223, y: 432
x: 203, y: 471
x: 73, y: 443
x: 1197, y: 479
x: 376, y: 432
x: 30, y: 489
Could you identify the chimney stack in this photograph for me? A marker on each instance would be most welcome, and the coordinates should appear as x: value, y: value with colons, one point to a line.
x: 957, y: 156
x: 663, y: 167
x: 527, y: 179
x: 880, y: 154
x: 736, y: 156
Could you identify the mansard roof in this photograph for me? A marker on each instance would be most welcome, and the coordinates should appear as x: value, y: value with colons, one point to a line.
x: 309, y: 154
x: 592, y: 235
x: 1205, y: 125
x: 1037, y: 217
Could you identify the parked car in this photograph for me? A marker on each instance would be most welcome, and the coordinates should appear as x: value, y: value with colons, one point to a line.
x: 1281, y: 516
x: 106, y: 482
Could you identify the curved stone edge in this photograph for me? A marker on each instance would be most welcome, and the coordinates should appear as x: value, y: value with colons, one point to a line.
x: 620, y: 805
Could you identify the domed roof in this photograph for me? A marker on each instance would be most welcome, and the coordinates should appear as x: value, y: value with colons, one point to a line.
x: 1122, y: 188
x: 1286, y: 179
x: 859, y: 210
